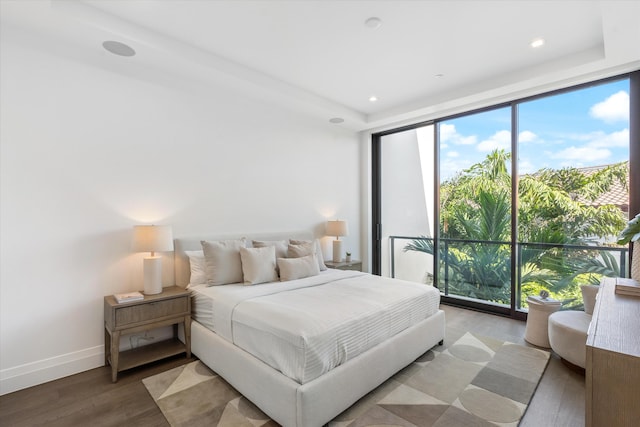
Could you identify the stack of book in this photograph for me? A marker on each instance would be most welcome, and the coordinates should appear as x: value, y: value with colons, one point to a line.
x: 627, y: 287
x: 128, y: 297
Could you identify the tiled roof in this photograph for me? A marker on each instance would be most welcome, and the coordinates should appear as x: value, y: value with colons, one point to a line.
x: 617, y: 195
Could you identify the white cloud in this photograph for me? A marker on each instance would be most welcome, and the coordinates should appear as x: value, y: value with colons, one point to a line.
x: 614, y: 139
x: 527, y: 136
x: 583, y: 154
x: 453, y: 154
x: 582, y: 137
x: 449, y: 167
x: 499, y: 140
x: 592, y: 147
x: 613, y: 109
x: 526, y: 167
x: 448, y: 133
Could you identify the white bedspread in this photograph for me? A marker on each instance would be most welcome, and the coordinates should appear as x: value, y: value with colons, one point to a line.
x: 306, y: 327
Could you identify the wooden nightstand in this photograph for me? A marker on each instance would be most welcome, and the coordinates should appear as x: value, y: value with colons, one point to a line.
x: 343, y: 265
x: 171, y: 307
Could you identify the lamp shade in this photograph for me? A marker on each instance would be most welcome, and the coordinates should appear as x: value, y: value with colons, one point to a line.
x: 152, y: 238
x: 337, y: 228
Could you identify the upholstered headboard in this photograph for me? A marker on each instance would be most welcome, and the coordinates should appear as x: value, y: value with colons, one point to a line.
x: 181, y: 260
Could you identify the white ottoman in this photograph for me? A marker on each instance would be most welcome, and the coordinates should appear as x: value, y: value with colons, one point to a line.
x: 536, y: 331
x: 568, y: 335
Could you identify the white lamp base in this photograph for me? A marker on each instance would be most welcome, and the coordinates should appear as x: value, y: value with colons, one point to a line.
x: 337, y: 250
x: 152, y: 275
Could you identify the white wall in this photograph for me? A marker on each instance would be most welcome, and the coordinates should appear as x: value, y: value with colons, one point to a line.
x: 87, y: 153
x: 404, y: 203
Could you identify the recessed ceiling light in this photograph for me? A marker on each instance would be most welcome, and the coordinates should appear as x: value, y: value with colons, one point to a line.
x: 373, y: 23
x: 118, y: 48
x: 439, y: 75
x: 336, y: 120
x: 537, y: 42
x: 373, y: 98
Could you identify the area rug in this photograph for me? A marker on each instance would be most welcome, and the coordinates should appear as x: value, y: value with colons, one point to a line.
x: 476, y: 381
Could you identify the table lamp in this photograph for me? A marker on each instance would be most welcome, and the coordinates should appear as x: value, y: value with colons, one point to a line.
x: 152, y: 238
x: 337, y: 228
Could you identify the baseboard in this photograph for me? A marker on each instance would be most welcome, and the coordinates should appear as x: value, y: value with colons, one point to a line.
x: 42, y: 371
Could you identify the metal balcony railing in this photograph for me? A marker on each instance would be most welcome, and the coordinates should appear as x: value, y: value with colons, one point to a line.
x: 495, y: 276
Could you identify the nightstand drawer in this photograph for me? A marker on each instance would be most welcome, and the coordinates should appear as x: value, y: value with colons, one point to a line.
x: 344, y: 265
x: 151, y: 311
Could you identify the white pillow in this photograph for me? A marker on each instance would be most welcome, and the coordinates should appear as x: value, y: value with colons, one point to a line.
x: 196, y: 263
x: 300, y: 249
x: 319, y: 255
x: 298, y: 268
x: 223, y: 264
x: 280, y: 245
x: 259, y: 265
x: 589, y: 293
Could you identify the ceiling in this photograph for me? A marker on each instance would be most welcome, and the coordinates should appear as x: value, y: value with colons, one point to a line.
x: 426, y: 59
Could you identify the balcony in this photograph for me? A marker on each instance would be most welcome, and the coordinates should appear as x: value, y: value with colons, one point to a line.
x: 480, y: 272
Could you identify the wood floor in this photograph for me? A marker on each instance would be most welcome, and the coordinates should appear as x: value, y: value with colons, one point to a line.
x: 559, y: 399
x: 91, y: 399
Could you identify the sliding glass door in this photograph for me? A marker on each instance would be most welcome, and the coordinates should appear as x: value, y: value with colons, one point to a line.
x: 475, y: 207
x: 494, y: 205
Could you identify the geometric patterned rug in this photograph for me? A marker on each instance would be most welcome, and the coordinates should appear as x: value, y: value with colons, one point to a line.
x: 476, y: 381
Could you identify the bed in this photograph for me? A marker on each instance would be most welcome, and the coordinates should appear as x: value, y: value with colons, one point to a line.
x: 307, y: 380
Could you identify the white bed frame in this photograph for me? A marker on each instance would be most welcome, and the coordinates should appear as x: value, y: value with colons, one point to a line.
x: 319, y: 401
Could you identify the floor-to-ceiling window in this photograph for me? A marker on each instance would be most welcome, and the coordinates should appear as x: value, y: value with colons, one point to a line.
x: 475, y: 207
x: 573, y: 198
x: 527, y: 196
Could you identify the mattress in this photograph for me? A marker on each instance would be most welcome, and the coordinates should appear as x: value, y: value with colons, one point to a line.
x: 304, y: 328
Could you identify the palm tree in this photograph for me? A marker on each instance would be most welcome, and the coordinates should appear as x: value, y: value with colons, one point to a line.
x: 553, y: 209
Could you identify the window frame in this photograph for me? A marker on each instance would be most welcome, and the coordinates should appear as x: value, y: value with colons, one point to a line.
x: 376, y: 198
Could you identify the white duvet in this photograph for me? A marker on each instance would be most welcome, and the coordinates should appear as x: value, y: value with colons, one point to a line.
x: 306, y: 327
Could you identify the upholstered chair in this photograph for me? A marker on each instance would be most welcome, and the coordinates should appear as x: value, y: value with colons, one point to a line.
x: 568, y: 329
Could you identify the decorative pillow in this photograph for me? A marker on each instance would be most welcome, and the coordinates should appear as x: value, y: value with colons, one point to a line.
x: 298, y: 268
x: 196, y: 262
x: 589, y: 293
x: 300, y: 250
x: 223, y: 264
x: 259, y: 265
x: 280, y: 245
x: 319, y: 255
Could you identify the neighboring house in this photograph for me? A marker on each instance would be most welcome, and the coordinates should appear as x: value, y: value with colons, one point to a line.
x: 617, y: 195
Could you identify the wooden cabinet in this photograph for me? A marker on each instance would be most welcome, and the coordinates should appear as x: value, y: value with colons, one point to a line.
x: 171, y: 307
x: 343, y: 265
x: 613, y: 360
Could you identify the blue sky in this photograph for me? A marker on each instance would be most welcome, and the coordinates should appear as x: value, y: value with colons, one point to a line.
x: 588, y: 127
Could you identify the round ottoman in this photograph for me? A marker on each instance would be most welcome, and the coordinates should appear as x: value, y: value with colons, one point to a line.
x: 568, y: 335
